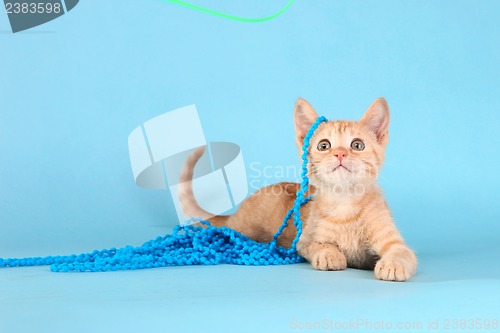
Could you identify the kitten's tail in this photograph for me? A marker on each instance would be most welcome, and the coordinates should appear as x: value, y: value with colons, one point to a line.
x: 186, y: 196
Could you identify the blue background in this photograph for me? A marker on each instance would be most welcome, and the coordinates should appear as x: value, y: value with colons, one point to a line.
x: 73, y: 89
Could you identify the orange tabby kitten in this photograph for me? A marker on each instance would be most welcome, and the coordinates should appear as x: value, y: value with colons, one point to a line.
x: 347, y: 223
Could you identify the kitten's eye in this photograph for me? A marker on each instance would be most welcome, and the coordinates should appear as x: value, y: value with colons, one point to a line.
x: 357, y: 144
x: 324, y: 145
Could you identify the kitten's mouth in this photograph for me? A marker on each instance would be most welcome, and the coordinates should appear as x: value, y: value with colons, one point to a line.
x: 340, y: 167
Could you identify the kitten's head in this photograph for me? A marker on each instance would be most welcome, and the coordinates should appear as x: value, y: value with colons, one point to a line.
x: 344, y: 155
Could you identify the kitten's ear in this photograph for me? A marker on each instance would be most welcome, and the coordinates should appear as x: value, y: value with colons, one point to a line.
x: 376, y: 119
x: 304, y: 117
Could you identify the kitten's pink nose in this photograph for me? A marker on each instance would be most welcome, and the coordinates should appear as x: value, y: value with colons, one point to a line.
x: 340, y: 153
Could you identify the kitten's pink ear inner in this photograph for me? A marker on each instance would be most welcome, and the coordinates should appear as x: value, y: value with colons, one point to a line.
x: 304, y: 117
x: 376, y: 120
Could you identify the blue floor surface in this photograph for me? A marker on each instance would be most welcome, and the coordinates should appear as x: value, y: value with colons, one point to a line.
x: 228, y: 298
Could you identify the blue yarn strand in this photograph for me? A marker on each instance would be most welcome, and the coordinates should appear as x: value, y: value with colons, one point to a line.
x: 189, y: 245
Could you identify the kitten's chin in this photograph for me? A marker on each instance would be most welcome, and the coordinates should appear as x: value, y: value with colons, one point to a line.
x: 340, y: 176
x: 338, y: 185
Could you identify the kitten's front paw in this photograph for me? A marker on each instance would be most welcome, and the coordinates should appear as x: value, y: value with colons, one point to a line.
x: 393, y: 268
x: 329, y: 260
